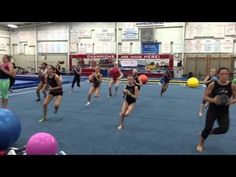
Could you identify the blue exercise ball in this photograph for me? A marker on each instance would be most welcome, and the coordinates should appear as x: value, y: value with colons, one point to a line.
x: 10, y: 128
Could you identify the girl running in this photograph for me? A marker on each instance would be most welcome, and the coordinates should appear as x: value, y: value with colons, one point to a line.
x: 77, y: 71
x: 131, y: 94
x: 58, y: 70
x: 137, y: 80
x: 96, y: 79
x: 220, y: 95
x: 116, y: 75
x: 54, y: 86
x: 42, y: 80
x: 208, y: 79
x: 165, y: 80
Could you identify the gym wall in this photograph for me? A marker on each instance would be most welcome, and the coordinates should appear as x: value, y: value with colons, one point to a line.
x: 209, y: 45
x: 26, y: 55
x: 195, y: 38
x: 4, y: 41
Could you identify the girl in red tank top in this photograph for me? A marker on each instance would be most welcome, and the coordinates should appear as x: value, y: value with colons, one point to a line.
x: 116, y: 75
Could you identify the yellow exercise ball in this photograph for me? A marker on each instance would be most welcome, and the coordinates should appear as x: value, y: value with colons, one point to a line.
x: 192, y: 82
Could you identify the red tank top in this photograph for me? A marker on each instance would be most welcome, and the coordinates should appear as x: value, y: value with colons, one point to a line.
x: 3, y: 75
x: 5, y: 66
x: 115, y: 73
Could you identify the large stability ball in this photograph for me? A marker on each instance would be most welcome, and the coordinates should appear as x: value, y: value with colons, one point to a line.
x: 143, y: 78
x: 42, y: 144
x: 10, y: 128
x: 192, y: 82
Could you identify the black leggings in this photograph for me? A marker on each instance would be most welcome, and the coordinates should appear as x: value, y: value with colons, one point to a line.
x: 12, y: 82
x: 76, y: 79
x: 222, y: 117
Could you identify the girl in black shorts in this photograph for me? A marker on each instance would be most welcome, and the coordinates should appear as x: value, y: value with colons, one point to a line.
x: 96, y: 79
x: 54, y: 86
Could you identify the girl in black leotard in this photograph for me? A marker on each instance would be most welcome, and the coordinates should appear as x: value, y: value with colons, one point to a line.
x: 131, y: 94
x: 42, y: 79
x: 96, y: 79
x: 220, y: 94
x: 208, y: 79
x: 54, y: 86
x: 137, y: 80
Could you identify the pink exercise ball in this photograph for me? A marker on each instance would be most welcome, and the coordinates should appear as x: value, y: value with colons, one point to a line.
x: 42, y: 144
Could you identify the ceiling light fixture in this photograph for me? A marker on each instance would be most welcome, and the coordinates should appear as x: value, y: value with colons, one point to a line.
x: 12, y: 26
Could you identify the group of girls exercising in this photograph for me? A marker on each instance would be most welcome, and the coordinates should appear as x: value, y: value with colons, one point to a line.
x: 220, y: 93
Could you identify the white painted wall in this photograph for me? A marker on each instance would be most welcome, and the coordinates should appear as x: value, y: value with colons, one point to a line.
x: 234, y: 50
x: 173, y: 24
x: 29, y: 50
x: 213, y: 31
x: 26, y: 60
x: 4, y: 40
x: 23, y: 29
x: 30, y: 59
x: 166, y: 33
x: 169, y: 34
x: 4, y: 31
x: 91, y: 25
x: 54, y: 58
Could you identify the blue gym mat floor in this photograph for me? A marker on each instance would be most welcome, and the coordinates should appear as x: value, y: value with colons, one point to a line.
x: 167, y: 125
